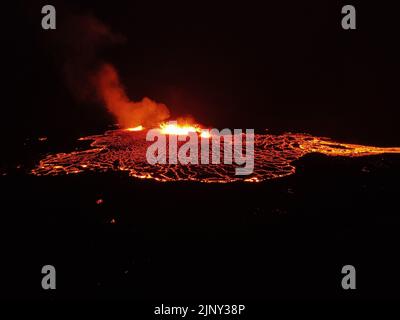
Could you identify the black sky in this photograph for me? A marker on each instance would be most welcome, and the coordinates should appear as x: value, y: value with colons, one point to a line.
x: 287, y: 66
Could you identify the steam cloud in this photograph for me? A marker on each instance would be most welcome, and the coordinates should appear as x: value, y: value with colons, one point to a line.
x: 127, y: 112
x: 90, y: 79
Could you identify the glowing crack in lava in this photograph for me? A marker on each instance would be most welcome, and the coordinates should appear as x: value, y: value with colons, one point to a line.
x: 125, y: 150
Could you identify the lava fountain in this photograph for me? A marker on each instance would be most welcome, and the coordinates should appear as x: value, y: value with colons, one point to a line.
x: 125, y: 150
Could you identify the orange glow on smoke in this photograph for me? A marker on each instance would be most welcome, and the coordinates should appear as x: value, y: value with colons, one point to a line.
x: 128, y: 113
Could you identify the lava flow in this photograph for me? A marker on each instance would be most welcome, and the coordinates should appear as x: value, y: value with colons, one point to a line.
x: 125, y: 150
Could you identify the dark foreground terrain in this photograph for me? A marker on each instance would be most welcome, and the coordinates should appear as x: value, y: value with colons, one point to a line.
x: 282, y: 239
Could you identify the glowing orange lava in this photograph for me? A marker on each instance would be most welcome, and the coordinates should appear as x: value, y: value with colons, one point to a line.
x: 138, y: 128
x: 174, y: 128
x: 125, y: 150
x: 177, y: 129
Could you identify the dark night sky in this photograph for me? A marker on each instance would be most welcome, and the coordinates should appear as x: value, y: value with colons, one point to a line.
x: 286, y: 66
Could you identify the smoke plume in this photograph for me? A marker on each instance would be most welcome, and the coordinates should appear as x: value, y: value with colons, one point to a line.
x: 90, y: 79
x: 128, y: 113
